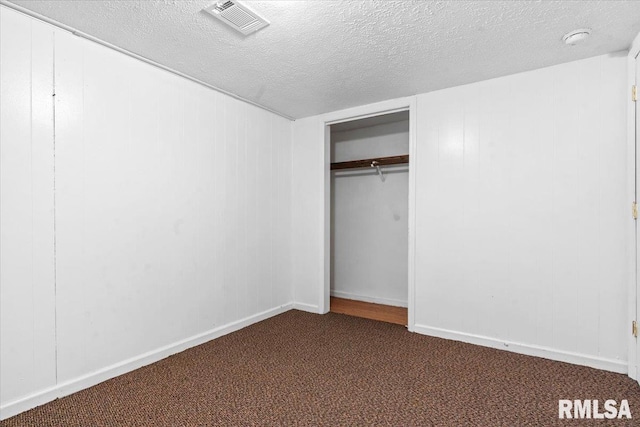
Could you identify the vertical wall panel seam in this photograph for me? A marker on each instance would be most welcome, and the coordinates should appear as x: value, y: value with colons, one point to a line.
x: 55, y: 260
x: 633, y: 243
x: 197, y: 202
x: 33, y: 314
x: 271, y: 207
x: 464, y: 218
x: 83, y: 69
x: 551, y: 294
x: 599, y: 212
x: 633, y: 240
x: 511, y: 191
x: 246, y: 203
x: 223, y: 209
x: 246, y: 227
x: 413, y: 171
x: 217, y: 290
x: 579, y: 186
x: 292, y: 286
x: 238, y: 225
x: 275, y: 202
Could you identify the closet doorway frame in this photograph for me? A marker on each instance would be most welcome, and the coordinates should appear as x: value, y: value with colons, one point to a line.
x: 363, y: 112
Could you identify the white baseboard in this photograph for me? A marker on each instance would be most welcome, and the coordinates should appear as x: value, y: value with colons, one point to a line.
x: 310, y: 308
x: 633, y: 372
x: 619, y: 366
x: 375, y: 300
x: 64, y: 389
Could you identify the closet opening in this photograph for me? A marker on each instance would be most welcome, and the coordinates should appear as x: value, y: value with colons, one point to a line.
x: 369, y: 217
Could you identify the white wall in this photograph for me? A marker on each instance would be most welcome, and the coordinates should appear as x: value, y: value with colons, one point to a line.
x: 27, y: 288
x: 521, y: 208
x: 520, y: 212
x: 307, y: 215
x: 172, y: 213
x: 369, y: 235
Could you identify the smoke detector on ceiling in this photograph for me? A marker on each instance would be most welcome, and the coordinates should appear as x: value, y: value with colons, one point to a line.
x: 576, y: 36
x: 237, y: 15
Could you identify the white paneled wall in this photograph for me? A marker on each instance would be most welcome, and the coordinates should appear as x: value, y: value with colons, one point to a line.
x: 27, y: 293
x: 521, y: 211
x: 307, y: 222
x: 172, y: 213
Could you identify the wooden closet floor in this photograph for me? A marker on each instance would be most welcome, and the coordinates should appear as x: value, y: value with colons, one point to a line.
x: 384, y: 313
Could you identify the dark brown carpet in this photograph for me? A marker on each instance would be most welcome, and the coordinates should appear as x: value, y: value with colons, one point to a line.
x: 306, y: 369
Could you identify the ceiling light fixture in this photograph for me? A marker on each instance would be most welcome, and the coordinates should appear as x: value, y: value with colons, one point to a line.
x: 576, y: 36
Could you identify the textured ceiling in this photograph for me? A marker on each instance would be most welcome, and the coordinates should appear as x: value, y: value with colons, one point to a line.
x: 321, y: 56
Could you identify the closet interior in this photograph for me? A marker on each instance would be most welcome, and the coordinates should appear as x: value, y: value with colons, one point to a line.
x: 369, y: 217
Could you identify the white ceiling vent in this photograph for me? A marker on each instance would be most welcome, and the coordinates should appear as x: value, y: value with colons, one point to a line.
x: 237, y: 16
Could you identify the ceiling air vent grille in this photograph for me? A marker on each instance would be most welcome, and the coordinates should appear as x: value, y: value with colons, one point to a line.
x: 237, y: 16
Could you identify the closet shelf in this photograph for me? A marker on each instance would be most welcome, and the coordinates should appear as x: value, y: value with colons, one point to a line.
x: 367, y: 163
